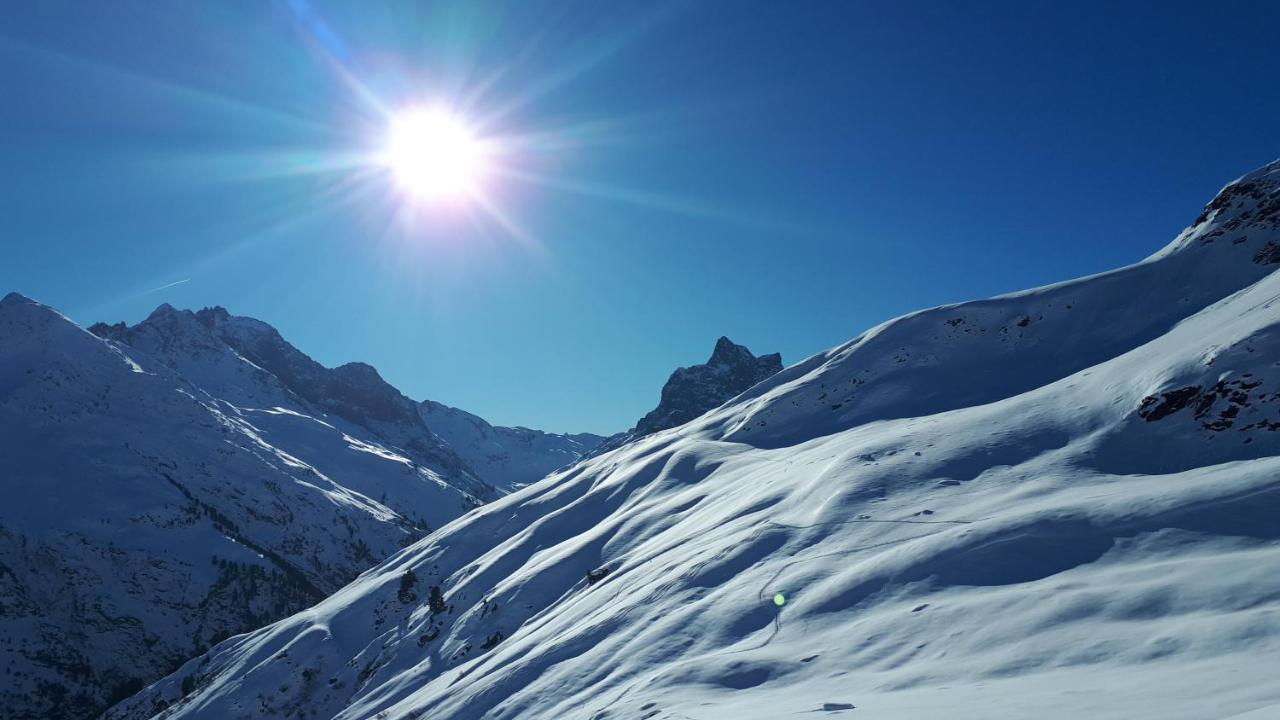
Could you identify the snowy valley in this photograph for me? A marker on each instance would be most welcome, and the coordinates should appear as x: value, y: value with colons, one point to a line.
x: 1058, y: 503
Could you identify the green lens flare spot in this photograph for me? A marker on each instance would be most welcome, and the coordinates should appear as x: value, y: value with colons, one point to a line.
x: 779, y: 599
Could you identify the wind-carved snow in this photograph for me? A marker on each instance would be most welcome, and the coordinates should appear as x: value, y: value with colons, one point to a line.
x: 1059, y: 503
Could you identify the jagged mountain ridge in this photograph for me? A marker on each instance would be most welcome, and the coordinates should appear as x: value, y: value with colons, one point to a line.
x: 354, y: 390
x: 145, y: 519
x: 188, y: 478
x: 485, y: 459
x: 1049, y: 503
x: 266, y: 371
x: 692, y: 391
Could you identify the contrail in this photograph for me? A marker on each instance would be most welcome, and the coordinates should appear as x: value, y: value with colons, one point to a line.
x: 162, y: 287
x: 102, y: 306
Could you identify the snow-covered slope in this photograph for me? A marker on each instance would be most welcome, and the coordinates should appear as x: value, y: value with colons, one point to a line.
x: 1060, y: 503
x: 162, y: 493
x: 354, y: 392
x: 692, y: 391
x: 245, y: 363
x: 506, y: 457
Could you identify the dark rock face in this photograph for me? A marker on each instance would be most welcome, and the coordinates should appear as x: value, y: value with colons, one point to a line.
x: 354, y: 391
x: 1248, y: 205
x: 118, y: 332
x: 1268, y: 255
x: 692, y: 391
x: 1235, y: 394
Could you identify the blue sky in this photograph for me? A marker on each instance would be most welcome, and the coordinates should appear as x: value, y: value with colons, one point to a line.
x: 787, y: 174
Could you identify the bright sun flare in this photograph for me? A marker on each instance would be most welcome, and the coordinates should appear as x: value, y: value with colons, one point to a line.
x: 434, y: 155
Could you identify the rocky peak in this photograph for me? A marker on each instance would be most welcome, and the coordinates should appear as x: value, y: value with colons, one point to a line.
x: 118, y: 332
x: 167, y: 334
x: 1236, y: 219
x: 354, y: 392
x: 358, y: 390
x: 359, y: 372
x: 727, y: 352
x: 1255, y: 195
x: 691, y: 391
x: 213, y: 316
x: 162, y: 311
x: 170, y: 320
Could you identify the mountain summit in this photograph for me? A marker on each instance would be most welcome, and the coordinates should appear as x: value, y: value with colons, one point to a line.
x: 691, y: 391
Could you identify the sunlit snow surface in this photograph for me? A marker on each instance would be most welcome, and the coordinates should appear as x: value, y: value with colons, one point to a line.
x: 1062, y: 503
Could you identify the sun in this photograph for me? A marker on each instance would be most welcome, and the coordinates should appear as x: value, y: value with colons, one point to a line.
x: 434, y: 155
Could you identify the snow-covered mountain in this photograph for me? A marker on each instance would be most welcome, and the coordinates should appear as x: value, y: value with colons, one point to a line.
x: 506, y: 457
x: 1056, y: 503
x: 692, y: 391
x: 245, y: 363
x: 191, y: 477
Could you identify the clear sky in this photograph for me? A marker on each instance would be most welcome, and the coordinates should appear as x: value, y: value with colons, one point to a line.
x: 784, y: 173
